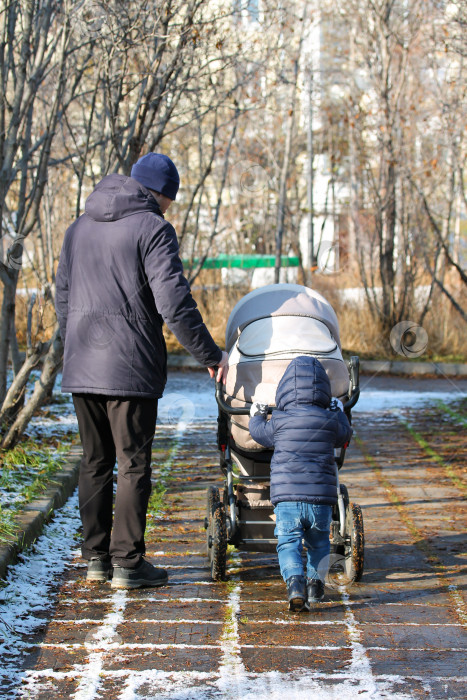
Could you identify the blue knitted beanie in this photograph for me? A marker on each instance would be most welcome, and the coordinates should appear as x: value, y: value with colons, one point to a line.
x: 158, y: 173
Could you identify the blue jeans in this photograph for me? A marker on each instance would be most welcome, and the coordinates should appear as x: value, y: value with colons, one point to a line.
x: 297, y: 521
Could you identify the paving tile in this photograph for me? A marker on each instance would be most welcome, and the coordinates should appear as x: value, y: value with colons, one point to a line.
x: 298, y: 634
x: 407, y: 637
x: 262, y: 659
x: 429, y: 663
x: 172, y: 659
x: 404, y: 613
x: 182, y: 633
x: 176, y: 610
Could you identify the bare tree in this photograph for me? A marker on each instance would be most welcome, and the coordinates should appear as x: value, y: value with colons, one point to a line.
x: 35, y: 91
x: 387, y: 120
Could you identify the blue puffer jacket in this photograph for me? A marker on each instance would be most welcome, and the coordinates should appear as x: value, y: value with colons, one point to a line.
x: 304, y: 433
x: 119, y: 278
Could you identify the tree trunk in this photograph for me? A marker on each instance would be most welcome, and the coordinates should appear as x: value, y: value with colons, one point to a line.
x: 388, y: 233
x: 15, y: 355
x: 7, y: 319
x: 15, y: 394
x: 283, y: 188
x: 41, y: 389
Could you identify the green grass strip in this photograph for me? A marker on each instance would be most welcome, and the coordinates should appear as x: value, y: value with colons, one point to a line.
x: 26, y: 471
x: 420, y: 543
x: 158, y: 502
x: 420, y: 440
x: 8, y: 528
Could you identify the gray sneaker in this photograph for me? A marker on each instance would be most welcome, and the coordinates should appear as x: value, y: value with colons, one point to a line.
x: 98, y: 570
x: 144, y: 575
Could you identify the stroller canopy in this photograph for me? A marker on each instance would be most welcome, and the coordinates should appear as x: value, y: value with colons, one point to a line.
x: 278, y: 305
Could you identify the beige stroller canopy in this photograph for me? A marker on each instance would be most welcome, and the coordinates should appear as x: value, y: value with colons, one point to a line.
x: 281, y: 300
x: 265, y: 331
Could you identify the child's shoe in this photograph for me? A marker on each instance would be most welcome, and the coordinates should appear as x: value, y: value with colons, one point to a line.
x: 315, y: 589
x: 296, y: 591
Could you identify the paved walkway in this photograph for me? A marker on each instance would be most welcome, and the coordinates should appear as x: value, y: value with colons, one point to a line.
x: 400, y: 633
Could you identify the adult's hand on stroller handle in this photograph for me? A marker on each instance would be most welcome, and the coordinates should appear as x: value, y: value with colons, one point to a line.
x: 220, y: 371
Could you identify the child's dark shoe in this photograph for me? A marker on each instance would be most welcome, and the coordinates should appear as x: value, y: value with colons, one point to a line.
x: 296, y: 591
x: 315, y: 589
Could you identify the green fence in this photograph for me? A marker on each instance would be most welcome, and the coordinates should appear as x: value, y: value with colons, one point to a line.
x: 245, y: 262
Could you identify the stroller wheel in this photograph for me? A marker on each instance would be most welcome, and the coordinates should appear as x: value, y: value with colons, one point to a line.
x: 354, y: 549
x: 347, y: 554
x: 213, y: 499
x: 217, y: 543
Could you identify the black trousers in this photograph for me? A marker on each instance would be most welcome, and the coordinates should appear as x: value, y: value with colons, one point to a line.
x: 115, y: 429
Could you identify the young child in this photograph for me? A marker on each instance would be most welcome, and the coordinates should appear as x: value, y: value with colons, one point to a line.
x: 304, y: 429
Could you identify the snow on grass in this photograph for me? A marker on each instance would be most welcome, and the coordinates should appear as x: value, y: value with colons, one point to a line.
x: 24, y: 471
x: 57, y: 419
x: 29, y: 590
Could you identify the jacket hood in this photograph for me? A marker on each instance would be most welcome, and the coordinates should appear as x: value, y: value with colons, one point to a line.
x: 118, y: 196
x: 304, y: 382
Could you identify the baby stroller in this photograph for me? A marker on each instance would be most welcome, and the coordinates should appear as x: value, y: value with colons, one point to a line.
x: 265, y: 331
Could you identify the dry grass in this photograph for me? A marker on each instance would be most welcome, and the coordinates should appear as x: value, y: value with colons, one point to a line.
x: 215, y: 302
x: 360, y: 333
x: 43, y: 320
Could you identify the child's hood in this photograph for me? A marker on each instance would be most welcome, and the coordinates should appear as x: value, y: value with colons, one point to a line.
x: 304, y: 382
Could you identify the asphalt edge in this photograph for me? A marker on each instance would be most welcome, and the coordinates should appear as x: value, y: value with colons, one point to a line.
x: 36, y: 514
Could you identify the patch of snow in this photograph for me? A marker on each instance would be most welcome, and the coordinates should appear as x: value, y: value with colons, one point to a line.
x: 29, y: 589
x: 383, y: 401
x: 57, y: 426
x: 100, y: 642
x: 232, y: 672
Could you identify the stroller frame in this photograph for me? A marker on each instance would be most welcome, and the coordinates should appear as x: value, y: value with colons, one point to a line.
x: 224, y: 526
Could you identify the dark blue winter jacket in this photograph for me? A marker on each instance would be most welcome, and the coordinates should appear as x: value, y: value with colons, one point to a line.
x: 304, y: 433
x: 119, y: 277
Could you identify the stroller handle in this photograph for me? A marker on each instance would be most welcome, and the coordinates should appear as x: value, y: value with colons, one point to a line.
x: 225, y: 406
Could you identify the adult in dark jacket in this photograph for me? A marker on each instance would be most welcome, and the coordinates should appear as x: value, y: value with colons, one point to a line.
x: 304, y: 432
x: 119, y: 278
